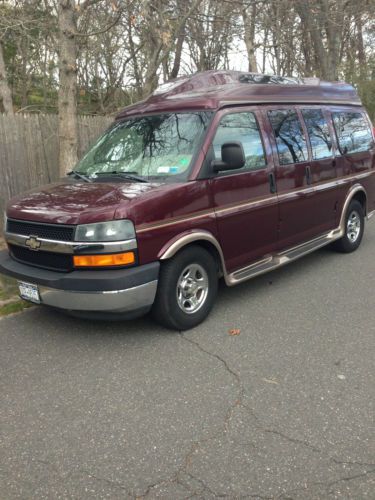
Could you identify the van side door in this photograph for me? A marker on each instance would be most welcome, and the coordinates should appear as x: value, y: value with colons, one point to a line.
x: 244, y: 200
x: 292, y: 161
x: 322, y: 170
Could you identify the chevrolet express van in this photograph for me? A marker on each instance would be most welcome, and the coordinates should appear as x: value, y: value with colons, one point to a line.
x: 221, y: 174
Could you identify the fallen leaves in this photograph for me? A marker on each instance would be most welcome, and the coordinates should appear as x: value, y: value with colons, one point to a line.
x: 270, y: 381
x: 233, y: 332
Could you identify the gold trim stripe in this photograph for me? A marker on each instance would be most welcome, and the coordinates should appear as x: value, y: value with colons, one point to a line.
x: 174, y: 220
x: 253, y: 203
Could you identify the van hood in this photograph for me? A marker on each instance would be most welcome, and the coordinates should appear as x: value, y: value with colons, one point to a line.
x: 76, y: 202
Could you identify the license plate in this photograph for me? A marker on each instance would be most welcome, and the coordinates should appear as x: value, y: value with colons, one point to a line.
x: 29, y: 292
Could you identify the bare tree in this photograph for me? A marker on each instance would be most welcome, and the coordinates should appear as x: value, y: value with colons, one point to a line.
x: 162, y: 27
x: 5, y: 92
x: 67, y: 103
x: 68, y: 12
x: 249, y: 16
x: 211, y: 32
x: 96, y: 56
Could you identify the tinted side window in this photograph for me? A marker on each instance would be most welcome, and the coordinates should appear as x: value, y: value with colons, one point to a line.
x: 353, y: 132
x: 241, y: 127
x: 291, y: 143
x: 317, y: 128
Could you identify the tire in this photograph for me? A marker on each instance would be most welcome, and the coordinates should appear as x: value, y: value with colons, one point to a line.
x: 187, y: 289
x: 354, y: 228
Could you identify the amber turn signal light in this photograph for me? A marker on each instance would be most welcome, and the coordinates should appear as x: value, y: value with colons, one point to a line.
x: 104, y: 260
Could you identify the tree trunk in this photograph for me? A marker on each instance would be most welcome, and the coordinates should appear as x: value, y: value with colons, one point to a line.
x: 249, y: 36
x: 333, y: 21
x: 264, y: 53
x: 309, y: 23
x: 178, y: 54
x: 361, y: 49
x: 67, y: 100
x: 5, y: 92
x: 134, y: 58
x: 306, y: 50
x: 44, y: 79
x: 151, y: 76
x: 98, y: 87
x: 23, y: 48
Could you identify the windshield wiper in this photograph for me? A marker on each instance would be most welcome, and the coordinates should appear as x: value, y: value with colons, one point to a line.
x: 124, y: 175
x: 79, y: 175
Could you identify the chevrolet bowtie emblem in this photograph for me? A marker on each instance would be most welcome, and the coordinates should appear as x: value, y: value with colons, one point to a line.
x: 33, y: 243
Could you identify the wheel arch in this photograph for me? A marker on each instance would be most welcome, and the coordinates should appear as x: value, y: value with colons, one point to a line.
x: 356, y: 192
x: 361, y: 196
x: 198, y: 237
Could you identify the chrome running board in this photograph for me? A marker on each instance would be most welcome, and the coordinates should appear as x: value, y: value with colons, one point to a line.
x: 275, y: 261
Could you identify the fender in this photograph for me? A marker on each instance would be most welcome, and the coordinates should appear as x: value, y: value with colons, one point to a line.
x: 356, y: 188
x: 187, y: 237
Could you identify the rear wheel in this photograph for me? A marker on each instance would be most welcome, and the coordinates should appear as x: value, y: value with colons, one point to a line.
x: 354, y: 227
x: 187, y: 289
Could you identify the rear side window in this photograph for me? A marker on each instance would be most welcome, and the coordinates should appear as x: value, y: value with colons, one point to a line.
x: 241, y: 127
x: 353, y: 132
x: 317, y: 128
x: 290, y: 141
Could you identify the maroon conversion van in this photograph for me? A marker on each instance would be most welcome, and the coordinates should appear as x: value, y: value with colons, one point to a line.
x: 221, y: 174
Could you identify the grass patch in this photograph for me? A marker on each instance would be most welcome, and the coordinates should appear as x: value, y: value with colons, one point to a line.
x: 7, y: 294
x: 14, y: 307
x: 8, y: 287
x: 3, y: 295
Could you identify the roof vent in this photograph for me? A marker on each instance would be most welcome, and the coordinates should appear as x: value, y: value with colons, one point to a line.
x: 272, y: 79
x: 311, y: 80
x: 168, y: 86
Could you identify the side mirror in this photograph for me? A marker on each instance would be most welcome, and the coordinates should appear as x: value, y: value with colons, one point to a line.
x: 232, y: 157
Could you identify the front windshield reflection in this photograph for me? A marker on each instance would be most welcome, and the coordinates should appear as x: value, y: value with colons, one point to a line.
x: 150, y: 146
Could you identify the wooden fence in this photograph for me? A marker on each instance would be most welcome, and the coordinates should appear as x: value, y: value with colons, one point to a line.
x: 29, y: 150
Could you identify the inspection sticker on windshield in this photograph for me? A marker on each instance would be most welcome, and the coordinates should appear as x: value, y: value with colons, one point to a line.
x: 163, y: 170
x: 168, y: 170
x: 29, y: 292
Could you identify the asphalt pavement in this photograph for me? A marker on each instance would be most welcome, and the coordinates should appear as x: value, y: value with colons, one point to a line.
x: 284, y: 409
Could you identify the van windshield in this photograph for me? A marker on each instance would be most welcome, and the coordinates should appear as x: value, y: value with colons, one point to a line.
x: 149, y: 147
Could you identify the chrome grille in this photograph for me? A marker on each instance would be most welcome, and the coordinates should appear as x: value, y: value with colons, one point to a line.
x: 59, y: 232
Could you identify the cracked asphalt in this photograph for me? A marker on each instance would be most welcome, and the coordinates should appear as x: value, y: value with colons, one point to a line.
x: 129, y: 410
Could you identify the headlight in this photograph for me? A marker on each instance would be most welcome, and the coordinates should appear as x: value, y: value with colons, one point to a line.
x: 116, y: 230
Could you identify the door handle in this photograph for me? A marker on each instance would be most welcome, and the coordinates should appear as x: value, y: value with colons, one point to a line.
x: 308, y: 174
x: 272, y: 181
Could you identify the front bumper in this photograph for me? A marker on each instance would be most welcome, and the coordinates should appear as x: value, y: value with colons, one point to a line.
x: 103, y: 291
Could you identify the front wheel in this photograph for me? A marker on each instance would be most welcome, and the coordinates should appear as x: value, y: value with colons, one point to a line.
x: 187, y: 289
x: 354, y: 227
